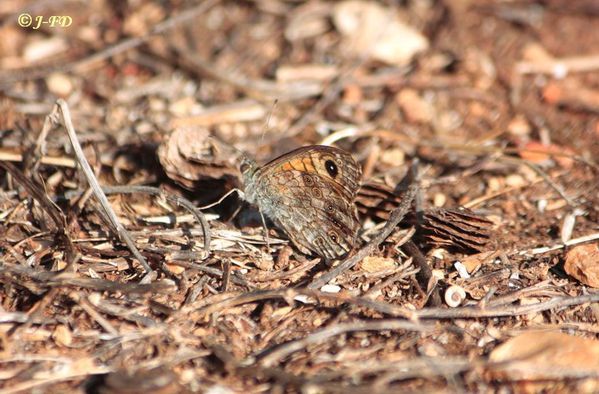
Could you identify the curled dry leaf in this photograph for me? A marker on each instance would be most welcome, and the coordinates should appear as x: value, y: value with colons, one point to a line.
x: 190, y: 155
x: 459, y: 229
x: 372, y: 30
x: 537, y: 355
x: 582, y: 263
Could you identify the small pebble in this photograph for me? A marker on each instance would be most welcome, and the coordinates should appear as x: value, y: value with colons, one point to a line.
x: 59, y: 84
x: 514, y: 180
x: 519, y: 127
x: 439, y: 200
x: 330, y: 288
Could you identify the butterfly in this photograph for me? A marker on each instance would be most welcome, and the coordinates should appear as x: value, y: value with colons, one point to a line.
x: 309, y: 193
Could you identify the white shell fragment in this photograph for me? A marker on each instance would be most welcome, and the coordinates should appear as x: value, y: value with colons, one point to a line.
x: 454, y: 296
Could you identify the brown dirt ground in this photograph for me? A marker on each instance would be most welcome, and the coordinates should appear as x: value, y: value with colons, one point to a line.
x: 73, y: 313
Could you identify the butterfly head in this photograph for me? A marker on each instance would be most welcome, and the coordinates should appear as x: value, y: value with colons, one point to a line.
x: 247, y: 167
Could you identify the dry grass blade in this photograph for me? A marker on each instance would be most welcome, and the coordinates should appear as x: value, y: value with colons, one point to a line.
x: 62, y: 280
x: 49, y: 207
x: 476, y: 312
x: 308, y: 296
x: 36, y: 192
x: 63, y: 108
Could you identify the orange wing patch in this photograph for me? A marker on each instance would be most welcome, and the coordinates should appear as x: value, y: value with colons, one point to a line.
x: 299, y: 164
x: 308, y: 165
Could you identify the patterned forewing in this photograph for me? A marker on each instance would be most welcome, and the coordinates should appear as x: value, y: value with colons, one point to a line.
x: 315, y: 209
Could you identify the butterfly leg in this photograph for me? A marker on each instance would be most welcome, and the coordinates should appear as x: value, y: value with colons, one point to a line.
x: 266, y: 238
x: 234, y: 190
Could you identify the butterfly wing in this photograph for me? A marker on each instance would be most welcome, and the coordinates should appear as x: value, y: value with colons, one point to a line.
x: 309, y: 193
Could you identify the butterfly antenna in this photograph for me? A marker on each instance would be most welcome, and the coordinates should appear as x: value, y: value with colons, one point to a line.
x: 268, y: 118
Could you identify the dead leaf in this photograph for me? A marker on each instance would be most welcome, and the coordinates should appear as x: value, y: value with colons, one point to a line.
x: 190, y: 155
x: 537, y: 355
x: 582, y: 263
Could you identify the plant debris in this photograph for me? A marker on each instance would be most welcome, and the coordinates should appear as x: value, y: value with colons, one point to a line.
x: 129, y: 262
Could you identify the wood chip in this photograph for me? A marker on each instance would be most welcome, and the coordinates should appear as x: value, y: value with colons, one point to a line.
x: 375, y: 264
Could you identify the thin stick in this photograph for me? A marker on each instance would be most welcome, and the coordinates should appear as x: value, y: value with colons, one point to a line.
x: 61, y: 280
x: 122, y: 234
x: 563, y: 65
x: 265, y: 228
x: 200, y: 308
x: 226, y: 275
x: 179, y: 201
x: 395, y: 217
x: 8, y: 155
x: 573, y: 241
x: 560, y: 190
x: 273, y: 356
x: 469, y: 312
